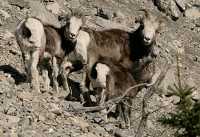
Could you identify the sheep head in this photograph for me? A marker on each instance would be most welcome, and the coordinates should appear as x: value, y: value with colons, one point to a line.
x: 150, y: 26
x: 74, y: 23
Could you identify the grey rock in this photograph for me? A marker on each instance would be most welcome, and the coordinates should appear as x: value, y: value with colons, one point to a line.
x: 5, y: 14
x: 54, y: 8
x: 98, y: 120
x: 39, y: 11
x: 175, y: 12
x: 181, y: 4
x: 162, y: 4
x: 193, y: 13
x: 19, y: 3
x: 104, y: 13
x: 109, y: 128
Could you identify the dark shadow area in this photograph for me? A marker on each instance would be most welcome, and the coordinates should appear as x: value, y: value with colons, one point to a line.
x: 18, y: 77
x: 197, y: 5
x: 76, y: 91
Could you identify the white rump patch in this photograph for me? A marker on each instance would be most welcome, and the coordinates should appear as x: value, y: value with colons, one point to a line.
x: 37, y: 31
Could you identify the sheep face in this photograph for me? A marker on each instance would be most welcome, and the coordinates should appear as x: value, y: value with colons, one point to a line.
x: 74, y: 26
x: 150, y: 26
x: 102, y: 72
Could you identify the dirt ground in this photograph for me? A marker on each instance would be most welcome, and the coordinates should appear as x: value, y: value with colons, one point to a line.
x: 26, y: 114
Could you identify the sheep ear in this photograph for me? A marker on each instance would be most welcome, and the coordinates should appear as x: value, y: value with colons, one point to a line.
x: 162, y: 22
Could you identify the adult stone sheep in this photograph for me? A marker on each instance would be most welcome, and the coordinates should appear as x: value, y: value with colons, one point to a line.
x: 133, y: 50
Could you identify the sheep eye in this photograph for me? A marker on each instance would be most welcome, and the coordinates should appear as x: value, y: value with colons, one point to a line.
x: 80, y: 28
x: 142, y: 25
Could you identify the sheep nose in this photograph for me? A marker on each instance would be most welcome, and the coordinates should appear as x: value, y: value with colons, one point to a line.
x: 147, y: 38
x: 72, y: 35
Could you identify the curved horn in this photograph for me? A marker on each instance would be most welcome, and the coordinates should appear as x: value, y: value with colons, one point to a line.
x: 71, y: 11
x: 146, y: 12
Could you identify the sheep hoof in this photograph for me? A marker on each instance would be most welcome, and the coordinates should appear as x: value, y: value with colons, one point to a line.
x: 104, y: 115
x: 36, y: 90
x: 56, y: 89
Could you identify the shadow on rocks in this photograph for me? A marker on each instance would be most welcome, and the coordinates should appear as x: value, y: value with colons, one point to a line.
x: 18, y: 77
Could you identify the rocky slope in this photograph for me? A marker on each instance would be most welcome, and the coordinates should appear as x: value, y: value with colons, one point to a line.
x: 24, y: 114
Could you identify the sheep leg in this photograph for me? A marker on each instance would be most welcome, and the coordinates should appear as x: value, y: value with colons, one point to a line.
x: 154, y: 78
x: 102, y: 101
x: 65, y: 75
x: 27, y: 63
x: 65, y: 68
x: 46, y: 79
x: 121, y: 115
x: 91, y: 61
x: 34, y: 72
x: 85, y: 84
x: 55, y: 74
x: 127, y: 113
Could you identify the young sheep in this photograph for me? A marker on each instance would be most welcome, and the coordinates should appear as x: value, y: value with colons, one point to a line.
x: 38, y: 43
x: 80, y: 40
x: 31, y: 38
x: 111, y: 81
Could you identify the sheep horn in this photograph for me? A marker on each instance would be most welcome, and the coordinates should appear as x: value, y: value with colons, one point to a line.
x: 146, y: 12
x: 71, y: 11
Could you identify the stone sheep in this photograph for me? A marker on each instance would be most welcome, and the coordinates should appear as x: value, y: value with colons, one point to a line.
x: 39, y: 43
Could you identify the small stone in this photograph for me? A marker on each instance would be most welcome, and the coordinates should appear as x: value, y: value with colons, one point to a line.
x: 4, y: 14
x: 41, y: 118
x: 109, y: 128
x: 54, y: 8
x: 196, y: 58
x: 88, y: 135
x: 175, y: 99
x: 175, y: 13
x: 12, y: 119
x: 51, y: 130
x: 11, y: 111
x: 55, y: 109
x: 98, y: 120
x: 25, y: 96
x: 79, y: 122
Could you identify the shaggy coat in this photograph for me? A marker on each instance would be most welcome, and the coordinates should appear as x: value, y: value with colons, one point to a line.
x: 127, y: 49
